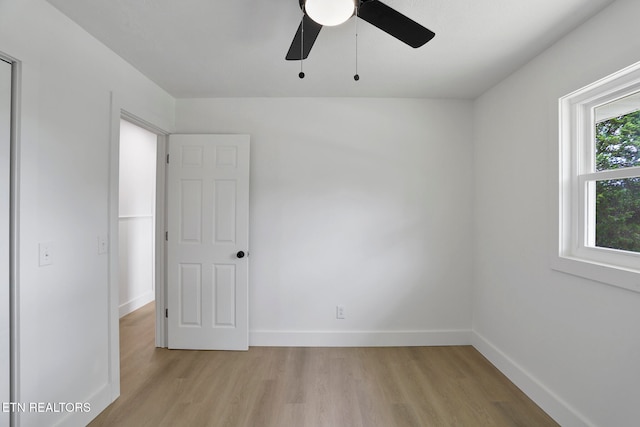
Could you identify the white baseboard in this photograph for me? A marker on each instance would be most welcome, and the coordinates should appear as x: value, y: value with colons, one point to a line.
x: 136, y: 303
x: 553, y: 405
x: 359, y: 338
x: 98, y: 402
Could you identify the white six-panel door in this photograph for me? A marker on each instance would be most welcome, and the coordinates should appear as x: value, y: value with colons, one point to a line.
x: 208, y: 239
x: 5, y: 129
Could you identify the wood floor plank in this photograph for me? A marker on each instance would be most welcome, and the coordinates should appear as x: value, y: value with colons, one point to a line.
x: 310, y: 387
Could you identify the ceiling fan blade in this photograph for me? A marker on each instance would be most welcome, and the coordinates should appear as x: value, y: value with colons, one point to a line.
x: 311, y: 31
x: 394, y: 23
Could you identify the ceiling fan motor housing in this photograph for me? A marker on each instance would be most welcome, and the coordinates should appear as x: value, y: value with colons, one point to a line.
x: 330, y: 12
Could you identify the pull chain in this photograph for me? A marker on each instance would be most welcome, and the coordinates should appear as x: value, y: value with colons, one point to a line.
x: 301, y: 74
x: 356, y: 77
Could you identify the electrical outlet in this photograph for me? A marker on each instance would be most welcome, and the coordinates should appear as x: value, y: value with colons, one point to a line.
x: 45, y: 250
x: 340, y: 312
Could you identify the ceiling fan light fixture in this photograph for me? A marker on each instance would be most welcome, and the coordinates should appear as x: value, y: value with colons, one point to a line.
x: 330, y: 12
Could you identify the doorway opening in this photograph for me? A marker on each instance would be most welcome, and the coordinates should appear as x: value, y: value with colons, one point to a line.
x: 136, y: 217
x: 137, y: 224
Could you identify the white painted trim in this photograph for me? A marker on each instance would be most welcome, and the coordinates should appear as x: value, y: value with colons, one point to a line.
x: 14, y: 234
x: 113, y: 230
x: 140, y: 122
x: 550, y: 402
x: 630, y: 172
x: 118, y: 112
x: 570, y: 250
x: 136, y: 303
x: 359, y: 338
x: 98, y: 403
x: 132, y: 217
x: 160, y: 242
x: 596, y: 271
x: 14, y: 262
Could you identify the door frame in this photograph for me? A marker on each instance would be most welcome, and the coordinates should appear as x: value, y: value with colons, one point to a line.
x: 159, y: 214
x: 121, y: 111
x: 14, y: 233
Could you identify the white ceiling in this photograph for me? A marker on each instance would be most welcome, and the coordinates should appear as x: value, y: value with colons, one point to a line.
x: 236, y: 48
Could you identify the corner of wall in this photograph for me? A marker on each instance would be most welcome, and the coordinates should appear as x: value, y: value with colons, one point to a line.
x: 552, y: 404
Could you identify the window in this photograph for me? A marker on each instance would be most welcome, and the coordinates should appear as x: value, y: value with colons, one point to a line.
x: 616, y: 200
x: 599, y: 191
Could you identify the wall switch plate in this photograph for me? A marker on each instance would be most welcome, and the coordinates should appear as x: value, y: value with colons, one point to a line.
x: 340, y: 312
x: 103, y: 245
x: 45, y: 250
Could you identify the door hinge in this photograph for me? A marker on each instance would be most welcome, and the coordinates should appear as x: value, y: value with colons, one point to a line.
x: 166, y: 236
x: 167, y: 158
x: 166, y: 313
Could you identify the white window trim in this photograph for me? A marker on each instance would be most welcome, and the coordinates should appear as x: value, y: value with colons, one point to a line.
x: 571, y: 251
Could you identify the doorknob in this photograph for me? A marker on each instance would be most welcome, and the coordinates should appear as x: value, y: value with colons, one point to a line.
x: 240, y: 254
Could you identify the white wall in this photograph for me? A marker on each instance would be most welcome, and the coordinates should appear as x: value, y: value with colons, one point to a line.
x: 570, y: 343
x: 67, y: 77
x: 136, y: 219
x: 360, y: 202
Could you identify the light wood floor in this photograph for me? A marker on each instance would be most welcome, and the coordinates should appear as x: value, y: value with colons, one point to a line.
x: 309, y: 387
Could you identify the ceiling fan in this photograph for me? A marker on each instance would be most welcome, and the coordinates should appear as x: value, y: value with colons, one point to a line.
x: 319, y: 13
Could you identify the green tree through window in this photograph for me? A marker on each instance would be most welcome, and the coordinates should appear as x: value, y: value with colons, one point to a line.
x: 618, y: 200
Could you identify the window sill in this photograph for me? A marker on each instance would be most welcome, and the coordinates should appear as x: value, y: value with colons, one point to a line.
x: 625, y: 278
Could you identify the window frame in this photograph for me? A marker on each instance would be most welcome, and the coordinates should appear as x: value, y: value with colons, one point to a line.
x: 574, y: 248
